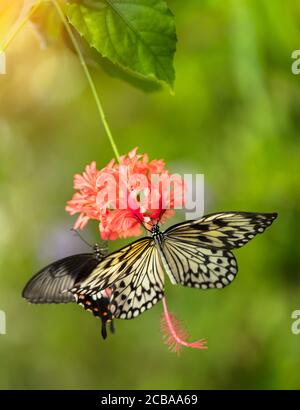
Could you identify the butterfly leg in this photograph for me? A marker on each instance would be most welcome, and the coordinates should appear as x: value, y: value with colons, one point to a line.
x: 112, y: 327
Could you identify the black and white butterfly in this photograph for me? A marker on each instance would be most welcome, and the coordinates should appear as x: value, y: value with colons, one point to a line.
x: 194, y: 253
x: 53, y: 283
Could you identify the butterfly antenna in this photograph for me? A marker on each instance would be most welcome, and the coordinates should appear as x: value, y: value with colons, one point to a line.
x: 162, y: 211
x: 81, y: 237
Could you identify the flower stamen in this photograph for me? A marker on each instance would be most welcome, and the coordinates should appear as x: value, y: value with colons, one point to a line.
x: 175, y: 335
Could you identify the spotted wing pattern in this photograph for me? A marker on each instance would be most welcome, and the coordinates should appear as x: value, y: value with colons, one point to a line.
x: 198, y: 267
x: 137, y: 274
x: 116, y: 266
x: 224, y: 230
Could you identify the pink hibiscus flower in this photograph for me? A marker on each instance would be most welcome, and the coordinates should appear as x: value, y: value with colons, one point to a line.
x: 123, y: 196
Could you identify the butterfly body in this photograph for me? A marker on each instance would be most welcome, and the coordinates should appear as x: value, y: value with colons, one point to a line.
x: 159, y: 238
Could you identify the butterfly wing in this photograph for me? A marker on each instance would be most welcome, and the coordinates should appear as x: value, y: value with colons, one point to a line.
x: 137, y: 275
x: 52, y: 284
x: 141, y: 289
x: 224, y: 230
x: 198, y: 267
x: 116, y: 266
x: 101, y: 305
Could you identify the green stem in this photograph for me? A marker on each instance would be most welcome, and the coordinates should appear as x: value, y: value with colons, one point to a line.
x: 89, y: 78
x: 19, y: 27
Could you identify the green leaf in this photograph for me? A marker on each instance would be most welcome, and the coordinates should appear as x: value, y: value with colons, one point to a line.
x: 137, y: 35
x: 96, y: 61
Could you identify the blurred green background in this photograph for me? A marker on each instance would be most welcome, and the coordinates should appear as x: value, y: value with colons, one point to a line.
x: 236, y: 118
